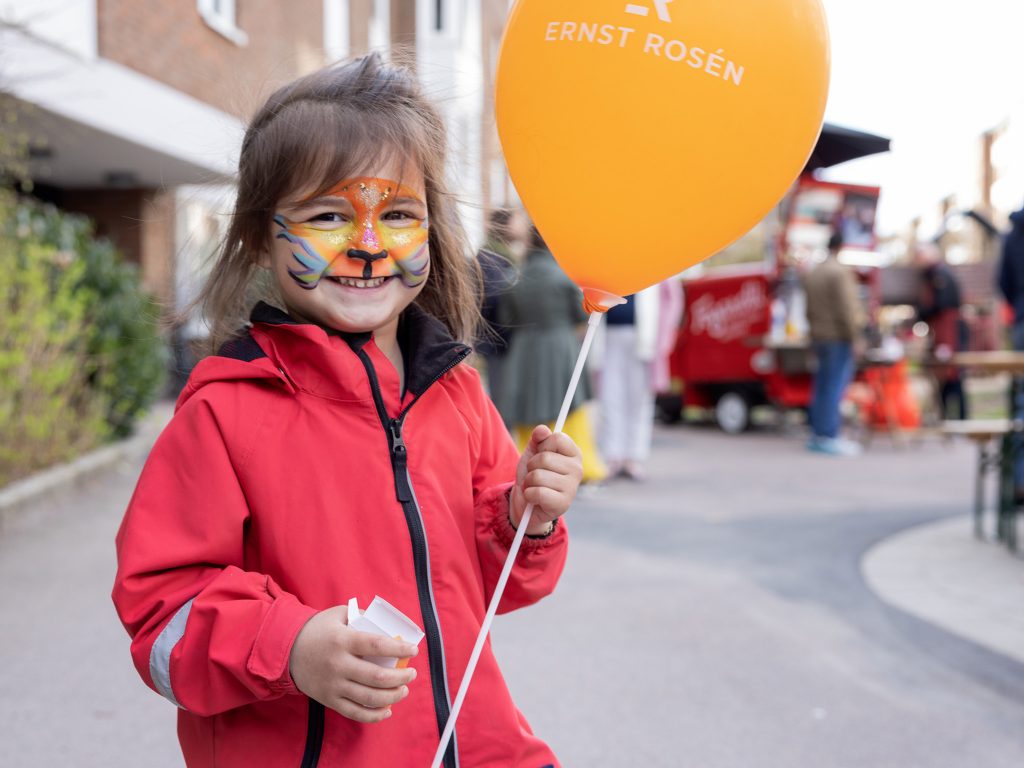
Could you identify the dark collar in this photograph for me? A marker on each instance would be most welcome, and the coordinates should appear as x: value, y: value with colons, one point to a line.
x: 428, y: 349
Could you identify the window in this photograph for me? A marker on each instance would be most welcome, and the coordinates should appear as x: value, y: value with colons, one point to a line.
x: 219, y: 16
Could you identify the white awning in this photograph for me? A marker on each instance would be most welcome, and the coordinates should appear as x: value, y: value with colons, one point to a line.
x: 106, y: 124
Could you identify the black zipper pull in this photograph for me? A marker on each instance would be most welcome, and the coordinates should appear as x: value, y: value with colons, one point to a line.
x: 399, y: 460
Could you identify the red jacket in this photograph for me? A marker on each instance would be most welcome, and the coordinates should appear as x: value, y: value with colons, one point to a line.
x: 294, y: 476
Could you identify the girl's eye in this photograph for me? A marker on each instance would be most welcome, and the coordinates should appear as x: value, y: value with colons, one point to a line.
x: 330, y: 218
x: 400, y: 217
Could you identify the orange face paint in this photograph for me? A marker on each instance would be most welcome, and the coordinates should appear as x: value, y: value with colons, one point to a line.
x: 362, y: 228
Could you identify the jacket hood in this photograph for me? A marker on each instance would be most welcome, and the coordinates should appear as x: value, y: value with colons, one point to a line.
x: 238, y: 360
x: 276, y: 348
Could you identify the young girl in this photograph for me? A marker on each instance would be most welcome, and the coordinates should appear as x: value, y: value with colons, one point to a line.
x: 338, y: 447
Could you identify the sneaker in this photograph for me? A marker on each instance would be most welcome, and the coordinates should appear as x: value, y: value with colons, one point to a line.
x: 834, y: 446
x: 633, y: 471
x: 849, y: 447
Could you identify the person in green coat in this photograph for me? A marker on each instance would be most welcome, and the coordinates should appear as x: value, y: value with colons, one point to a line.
x: 544, y: 311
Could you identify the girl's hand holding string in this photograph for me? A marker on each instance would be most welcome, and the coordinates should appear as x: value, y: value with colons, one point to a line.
x: 549, y: 474
x: 327, y: 665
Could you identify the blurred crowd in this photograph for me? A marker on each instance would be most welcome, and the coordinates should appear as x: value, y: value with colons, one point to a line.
x: 844, y: 336
x: 534, y: 321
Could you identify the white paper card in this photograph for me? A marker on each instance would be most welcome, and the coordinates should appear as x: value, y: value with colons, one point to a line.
x: 382, y: 618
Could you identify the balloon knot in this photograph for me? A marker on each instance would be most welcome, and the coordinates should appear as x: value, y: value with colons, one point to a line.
x: 595, y: 300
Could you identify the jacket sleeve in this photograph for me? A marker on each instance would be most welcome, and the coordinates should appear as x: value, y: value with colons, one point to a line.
x: 849, y: 316
x: 206, y: 634
x: 539, y: 562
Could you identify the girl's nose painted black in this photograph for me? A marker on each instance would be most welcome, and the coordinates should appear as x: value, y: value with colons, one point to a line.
x: 367, y: 258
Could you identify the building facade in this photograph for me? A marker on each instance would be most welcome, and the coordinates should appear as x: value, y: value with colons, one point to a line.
x: 137, y: 108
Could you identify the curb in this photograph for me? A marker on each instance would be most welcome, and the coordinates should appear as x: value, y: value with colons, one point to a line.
x: 941, y: 574
x: 17, y: 496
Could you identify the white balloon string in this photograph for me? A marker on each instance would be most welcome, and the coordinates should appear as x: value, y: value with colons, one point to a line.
x: 499, y: 588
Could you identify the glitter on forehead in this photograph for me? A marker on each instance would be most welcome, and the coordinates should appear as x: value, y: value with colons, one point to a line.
x: 371, y: 194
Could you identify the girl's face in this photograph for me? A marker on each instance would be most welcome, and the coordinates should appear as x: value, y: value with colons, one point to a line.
x: 353, y: 258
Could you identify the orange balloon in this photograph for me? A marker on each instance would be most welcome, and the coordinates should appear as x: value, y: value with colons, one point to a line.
x: 646, y: 136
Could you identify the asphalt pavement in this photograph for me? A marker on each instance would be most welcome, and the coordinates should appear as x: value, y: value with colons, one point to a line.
x: 749, y: 606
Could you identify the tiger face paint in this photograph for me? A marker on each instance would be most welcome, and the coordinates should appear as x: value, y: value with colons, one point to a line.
x: 364, y: 228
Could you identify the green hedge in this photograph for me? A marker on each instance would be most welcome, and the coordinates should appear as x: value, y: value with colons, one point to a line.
x: 81, y: 357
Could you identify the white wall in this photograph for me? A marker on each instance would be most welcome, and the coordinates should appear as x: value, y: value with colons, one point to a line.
x: 203, y: 214
x: 67, y: 24
x: 1008, y: 162
x: 337, y: 29
x: 380, y: 26
x: 450, y: 65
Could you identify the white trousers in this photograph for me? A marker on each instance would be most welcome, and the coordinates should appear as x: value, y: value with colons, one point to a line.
x: 627, y: 401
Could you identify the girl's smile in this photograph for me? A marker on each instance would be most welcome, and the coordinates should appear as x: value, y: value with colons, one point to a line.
x: 352, y: 282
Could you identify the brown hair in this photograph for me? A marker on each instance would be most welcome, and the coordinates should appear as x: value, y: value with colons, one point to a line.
x: 331, y: 125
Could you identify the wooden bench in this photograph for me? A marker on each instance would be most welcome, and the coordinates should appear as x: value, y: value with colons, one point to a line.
x: 994, y: 438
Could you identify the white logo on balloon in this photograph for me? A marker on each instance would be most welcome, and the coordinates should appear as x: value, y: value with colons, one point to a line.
x: 660, y: 7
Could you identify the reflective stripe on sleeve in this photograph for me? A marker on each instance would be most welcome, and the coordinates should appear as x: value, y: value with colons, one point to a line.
x: 160, y: 655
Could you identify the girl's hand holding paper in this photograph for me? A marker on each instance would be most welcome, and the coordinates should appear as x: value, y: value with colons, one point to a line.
x: 328, y: 665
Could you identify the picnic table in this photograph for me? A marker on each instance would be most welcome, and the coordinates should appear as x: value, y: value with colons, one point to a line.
x: 984, y: 432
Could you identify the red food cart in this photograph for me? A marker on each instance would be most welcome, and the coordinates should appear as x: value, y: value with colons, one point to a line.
x: 743, y: 340
x: 723, y: 359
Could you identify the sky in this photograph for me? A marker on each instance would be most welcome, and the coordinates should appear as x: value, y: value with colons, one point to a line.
x: 932, y: 75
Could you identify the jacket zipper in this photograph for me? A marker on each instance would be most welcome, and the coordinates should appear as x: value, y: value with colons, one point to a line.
x: 421, y: 558
x: 314, y: 735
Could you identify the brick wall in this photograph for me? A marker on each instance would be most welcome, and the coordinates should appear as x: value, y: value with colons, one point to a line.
x: 169, y: 41
x: 403, y: 24
x: 139, y: 222
x: 116, y: 214
x: 156, y: 273
x: 496, y: 187
x: 361, y: 12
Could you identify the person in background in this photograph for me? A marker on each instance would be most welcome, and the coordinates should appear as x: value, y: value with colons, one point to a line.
x: 544, y: 310
x: 834, y: 317
x: 1011, y: 275
x: 939, y: 307
x: 638, y: 337
x: 1011, y: 283
x: 498, y: 268
x: 670, y: 316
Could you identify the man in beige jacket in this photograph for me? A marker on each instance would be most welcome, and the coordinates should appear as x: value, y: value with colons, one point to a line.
x: 834, y: 316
